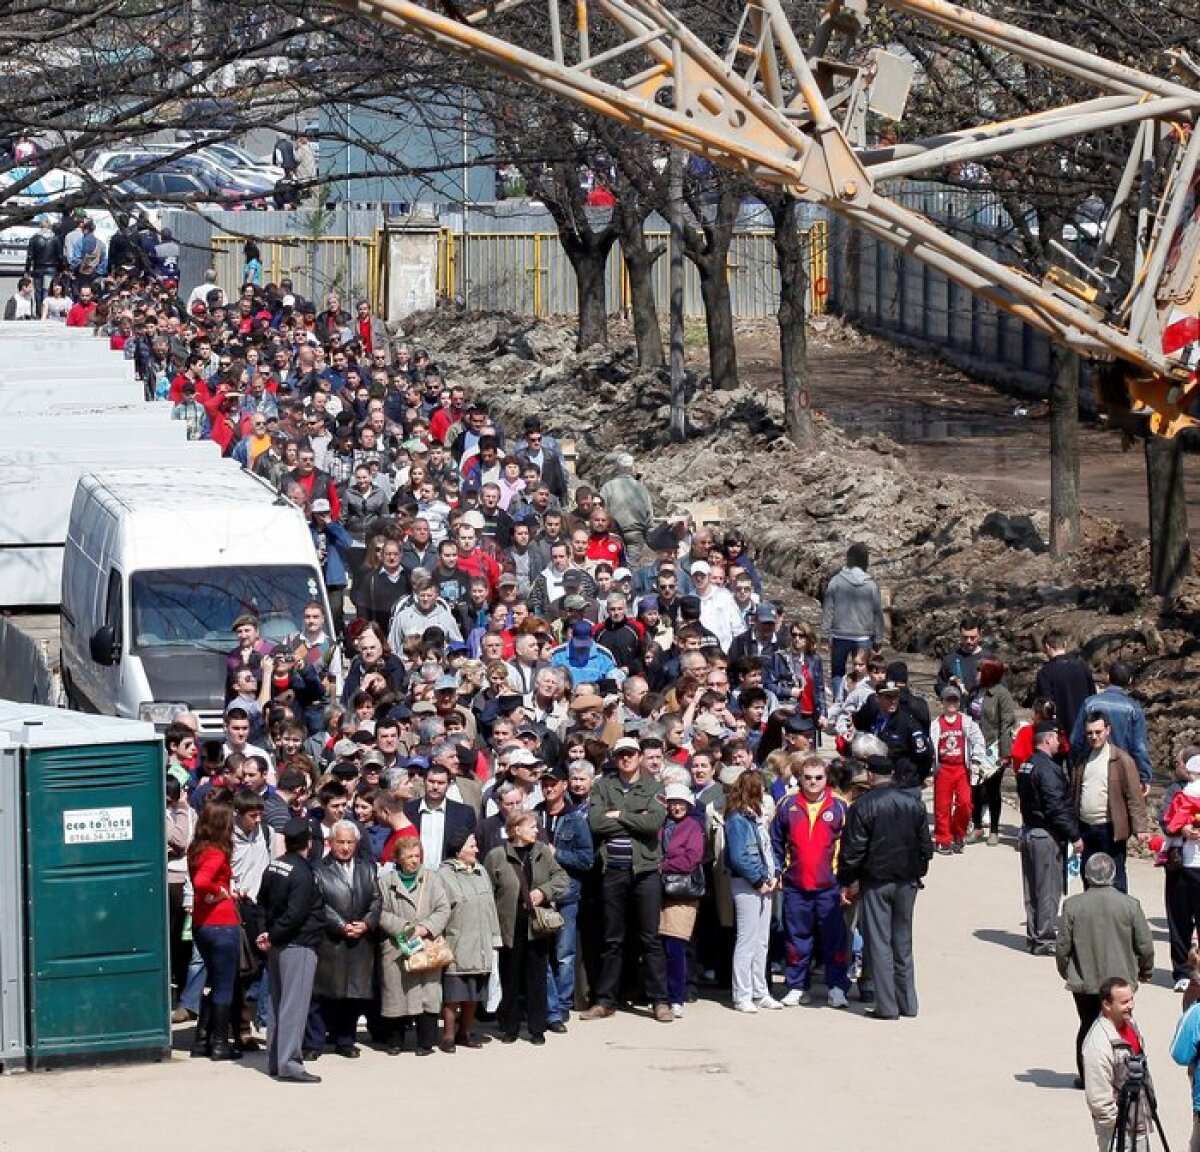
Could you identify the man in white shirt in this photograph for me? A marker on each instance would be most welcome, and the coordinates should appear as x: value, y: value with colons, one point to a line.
x: 199, y: 294
x: 719, y: 612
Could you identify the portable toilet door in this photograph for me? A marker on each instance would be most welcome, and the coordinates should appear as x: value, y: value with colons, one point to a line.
x: 97, y: 980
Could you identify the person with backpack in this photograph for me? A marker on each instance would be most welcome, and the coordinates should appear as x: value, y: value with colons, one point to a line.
x: 91, y: 257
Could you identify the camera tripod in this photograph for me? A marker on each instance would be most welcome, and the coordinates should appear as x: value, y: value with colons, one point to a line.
x: 1136, y: 1096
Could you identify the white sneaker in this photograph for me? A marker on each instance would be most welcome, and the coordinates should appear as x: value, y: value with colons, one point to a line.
x: 677, y: 1011
x: 1181, y: 985
x: 770, y: 1004
x: 793, y: 998
x: 837, y: 998
x: 749, y: 1006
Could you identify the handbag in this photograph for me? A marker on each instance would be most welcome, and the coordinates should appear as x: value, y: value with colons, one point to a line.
x: 544, y: 920
x: 684, y: 885
x: 433, y: 955
x: 250, y: 960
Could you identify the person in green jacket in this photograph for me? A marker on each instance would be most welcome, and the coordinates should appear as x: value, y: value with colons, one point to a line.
x: 626, y: 816
x: 1102, y: 933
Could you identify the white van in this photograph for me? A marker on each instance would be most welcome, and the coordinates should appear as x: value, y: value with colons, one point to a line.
x: 157, y: 567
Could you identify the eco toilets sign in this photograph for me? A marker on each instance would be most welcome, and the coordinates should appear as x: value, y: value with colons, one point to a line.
x: 97, y: 825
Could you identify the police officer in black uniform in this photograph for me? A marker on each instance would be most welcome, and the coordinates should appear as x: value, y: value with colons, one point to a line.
x: 1048, y: 815
x: 907, y: 741
x: 294, y: 913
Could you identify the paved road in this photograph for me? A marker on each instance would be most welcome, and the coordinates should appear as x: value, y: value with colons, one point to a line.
x: 987, y: 1067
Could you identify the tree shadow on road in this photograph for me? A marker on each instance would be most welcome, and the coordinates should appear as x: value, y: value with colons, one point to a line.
x: 1046, y: 1078
x: 1013, y: 940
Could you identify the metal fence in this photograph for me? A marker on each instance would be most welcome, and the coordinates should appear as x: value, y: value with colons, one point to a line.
x: 529, y: 273
x: 334, y: 249
x: 881, y: 288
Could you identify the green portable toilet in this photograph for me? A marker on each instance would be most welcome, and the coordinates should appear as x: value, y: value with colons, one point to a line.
x: 85, y: 888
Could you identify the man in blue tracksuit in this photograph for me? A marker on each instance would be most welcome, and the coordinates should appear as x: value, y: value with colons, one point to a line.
x: 569, y: 834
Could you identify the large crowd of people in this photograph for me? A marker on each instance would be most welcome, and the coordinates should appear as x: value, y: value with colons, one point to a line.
x: 554, y: 755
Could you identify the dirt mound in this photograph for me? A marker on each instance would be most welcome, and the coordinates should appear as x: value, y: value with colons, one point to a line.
x: 938, y: 545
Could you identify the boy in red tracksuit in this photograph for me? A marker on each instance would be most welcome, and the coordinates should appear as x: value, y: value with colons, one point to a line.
x: 958, y: 748
x: 805, y: 836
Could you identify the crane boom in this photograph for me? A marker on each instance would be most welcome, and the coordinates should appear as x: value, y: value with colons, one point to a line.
x: 795, y: 118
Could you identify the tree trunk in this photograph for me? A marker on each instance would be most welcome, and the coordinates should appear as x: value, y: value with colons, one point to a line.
x: 1170, y: 546
x: 793, y: 344
x: 589, y: 260
x: 718, y: 321
x: 707, y: 245
x: 1064, y: 455
x: 639, y: 266
x: 589, y: 267
x: 677, y: 245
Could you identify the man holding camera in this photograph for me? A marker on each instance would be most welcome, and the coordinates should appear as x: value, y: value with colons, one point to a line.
x: 1115, y: 1075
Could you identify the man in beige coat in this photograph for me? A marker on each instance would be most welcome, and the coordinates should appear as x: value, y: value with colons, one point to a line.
x: 1102, y: 933
x: 1109, y: 801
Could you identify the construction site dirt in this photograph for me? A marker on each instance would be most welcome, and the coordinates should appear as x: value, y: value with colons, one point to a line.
x: 911, y: 457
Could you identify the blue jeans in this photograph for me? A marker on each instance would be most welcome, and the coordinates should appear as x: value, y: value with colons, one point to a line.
x: 197, y: 977
x: 560, y: 981
x: 804, y: 914
x: 839, y: 652
x: 220, y: 947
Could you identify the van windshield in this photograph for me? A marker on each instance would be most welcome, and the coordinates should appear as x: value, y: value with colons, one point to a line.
x: 196, y: 607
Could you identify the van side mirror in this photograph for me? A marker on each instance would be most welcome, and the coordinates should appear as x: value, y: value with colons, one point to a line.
x: 105, y: 647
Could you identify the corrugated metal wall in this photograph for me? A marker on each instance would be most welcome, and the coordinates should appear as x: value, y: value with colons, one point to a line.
x: 880, y: 287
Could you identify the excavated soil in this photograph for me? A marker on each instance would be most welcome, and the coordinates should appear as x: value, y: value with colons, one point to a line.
x: 919, y: 507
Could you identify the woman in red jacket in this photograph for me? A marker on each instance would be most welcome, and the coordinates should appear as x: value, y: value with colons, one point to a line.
x: 216, y: 927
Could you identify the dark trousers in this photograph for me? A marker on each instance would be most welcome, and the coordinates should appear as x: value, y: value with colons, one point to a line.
x: 632, y: 901
x: 676, y: 954
x: 341, y: 1019
x: 805, y: 916
x: 1088, y: 1007
x: 987, y: 794
x: 180, y: 952
x: 840, y: 650
x: 1099, y: 838
x: 395, y: 1029
x: 591, y: 934
x: 887, y: 918
x: 1042, y: 880
x: 1182, y: 896
x: 523, y: 974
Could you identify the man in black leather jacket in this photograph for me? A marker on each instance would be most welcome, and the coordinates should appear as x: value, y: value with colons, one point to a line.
x: 1049, y: 819
x: 886, y: 849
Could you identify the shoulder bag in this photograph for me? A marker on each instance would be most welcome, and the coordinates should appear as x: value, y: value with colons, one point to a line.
x: 544, y: 920
x: 683, y: 885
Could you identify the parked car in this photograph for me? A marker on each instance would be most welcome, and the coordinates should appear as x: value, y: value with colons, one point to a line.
x: 232, y: 189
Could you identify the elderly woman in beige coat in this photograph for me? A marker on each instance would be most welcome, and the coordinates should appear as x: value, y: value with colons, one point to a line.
x: 411, y: 898
x: 473, y: 933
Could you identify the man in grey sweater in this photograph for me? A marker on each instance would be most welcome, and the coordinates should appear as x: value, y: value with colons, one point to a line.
x: 851, y: 613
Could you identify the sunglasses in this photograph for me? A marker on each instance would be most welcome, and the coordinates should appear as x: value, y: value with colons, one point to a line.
x: 813, y: 779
